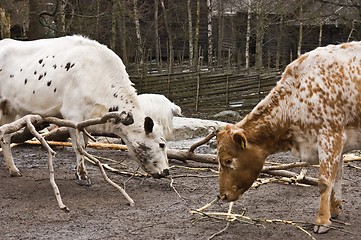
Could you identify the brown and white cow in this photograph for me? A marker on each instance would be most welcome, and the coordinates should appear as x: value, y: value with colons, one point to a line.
x: 78, y: 79
x: 314, y: 111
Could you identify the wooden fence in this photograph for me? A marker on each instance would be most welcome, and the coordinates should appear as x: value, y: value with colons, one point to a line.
x: 210, y: 91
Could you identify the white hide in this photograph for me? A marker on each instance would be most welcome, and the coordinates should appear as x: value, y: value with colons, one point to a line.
x: 77, y: 78
x: 161, y: 110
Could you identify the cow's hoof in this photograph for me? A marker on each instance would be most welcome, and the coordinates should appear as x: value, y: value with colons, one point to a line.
x: 84, y: 182
x: 336, y: 212
x: 83, y: 179
x: 15, y: 174
x: 320, y: 229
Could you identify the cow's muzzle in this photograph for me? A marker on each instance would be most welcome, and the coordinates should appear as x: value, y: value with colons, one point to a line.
x: 161, y: 175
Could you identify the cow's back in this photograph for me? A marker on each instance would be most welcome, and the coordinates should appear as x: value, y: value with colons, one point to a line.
x: 330, y: 88
x: 72, y: 76
x: 319, y: 89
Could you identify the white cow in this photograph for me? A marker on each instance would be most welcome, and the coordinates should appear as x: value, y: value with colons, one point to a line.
x: 161, y: 110
x: 78, y: 79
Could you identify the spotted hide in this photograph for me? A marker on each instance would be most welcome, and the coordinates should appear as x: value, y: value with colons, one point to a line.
x: 78, y: 79
x: 314, y: 111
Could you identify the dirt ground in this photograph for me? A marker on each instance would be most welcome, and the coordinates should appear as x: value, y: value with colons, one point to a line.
x: 28, y: 209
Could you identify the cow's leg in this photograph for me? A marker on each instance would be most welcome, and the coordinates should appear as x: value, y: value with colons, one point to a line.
x: 8, y: 157
x: 330, y: 151
x: 81, y: 172
x: 336, y: 194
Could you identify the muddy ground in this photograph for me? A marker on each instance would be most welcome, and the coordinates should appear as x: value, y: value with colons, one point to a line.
x: 28, y: 209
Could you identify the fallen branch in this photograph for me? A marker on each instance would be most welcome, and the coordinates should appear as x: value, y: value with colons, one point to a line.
x: 30, y: 120
x: 230, y: 217
x: 100, y: 165
x: 51, y: 153
x: 349, y: 157
x: 181, y: 155
x: 284, y: 173
x: 203, y: 141
x: 285, y: 166
x: 91, y: 145
x: 184, y: 155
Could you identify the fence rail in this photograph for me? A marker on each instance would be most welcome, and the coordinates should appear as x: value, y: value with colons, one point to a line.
x: 210, y: 91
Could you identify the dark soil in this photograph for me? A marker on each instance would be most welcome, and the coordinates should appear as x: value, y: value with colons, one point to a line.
x: 28, y: 209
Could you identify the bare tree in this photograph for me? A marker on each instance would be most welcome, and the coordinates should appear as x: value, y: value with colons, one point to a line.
x: 260, y: 31
x: 139, y: 54
x: 170, y: 38
x: 300, y: 32
x: 190, y: 33
x: 209, y: 32
x: 196, y: 35
x: 123, y: 30
x: 279, y: 41
x: 4, y: 24
x: 248, y: 32
x: 220, y: 30
x: 156, y: 36
x: 60, y: 18
x: 114, y: 17
x: 36, y: 30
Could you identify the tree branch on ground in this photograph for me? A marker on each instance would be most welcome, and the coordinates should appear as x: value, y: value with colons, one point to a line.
x: 29, y: 121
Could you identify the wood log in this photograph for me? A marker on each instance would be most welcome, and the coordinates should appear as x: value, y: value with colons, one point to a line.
x: 184, y: 155
x: 91, y: 145
x: 62, y: 134
x: 284, y: 173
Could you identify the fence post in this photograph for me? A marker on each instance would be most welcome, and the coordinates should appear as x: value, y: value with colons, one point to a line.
x: 227, y: 91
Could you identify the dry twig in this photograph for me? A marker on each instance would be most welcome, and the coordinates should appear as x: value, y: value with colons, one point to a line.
x: 230, y: 217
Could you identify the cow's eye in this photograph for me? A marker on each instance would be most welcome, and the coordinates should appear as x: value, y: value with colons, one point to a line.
x: 228, y: 162
x: 162, y: 145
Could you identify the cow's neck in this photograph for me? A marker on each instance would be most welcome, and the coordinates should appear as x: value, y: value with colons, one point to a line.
x: 268, y: 124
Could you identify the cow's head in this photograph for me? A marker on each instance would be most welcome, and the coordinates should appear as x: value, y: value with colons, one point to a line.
x: 240, y: 163
x: 147, y: 146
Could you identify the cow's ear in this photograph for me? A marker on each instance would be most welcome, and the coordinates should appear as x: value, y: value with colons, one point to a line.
x: 240, y: 139
x: 148, y: 125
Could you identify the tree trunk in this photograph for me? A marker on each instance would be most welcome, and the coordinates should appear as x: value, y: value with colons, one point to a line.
x: 196, y: 36
x: 279, y: 42
x: 113, y: 32
x: 4, y: 24
x: 220, y: 31
x: 210, y: 33
x: 300, y: 32
x: 140, y: 57
x: 259, y: 36
x: 248, y: 33
x: 123, y: 31
x: 170, y: 38
x: 157, y: 39
x: 36, y: 30
x: 190, y: 33
x: 60, y: 19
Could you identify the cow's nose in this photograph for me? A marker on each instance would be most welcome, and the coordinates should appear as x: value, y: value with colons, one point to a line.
x: 165, y: 172
x: 161, y: 175
x: 156, y: 175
